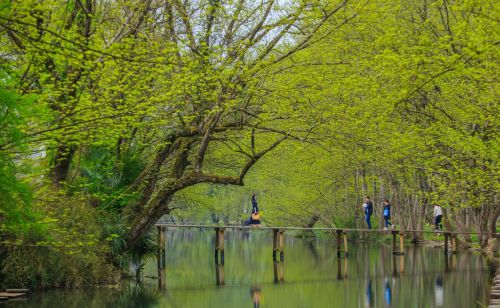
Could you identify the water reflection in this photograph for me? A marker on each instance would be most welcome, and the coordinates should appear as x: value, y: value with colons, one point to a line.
x: 387, y: 293
x: 342, y: 274
x: 279, y: 271
x: 439, y: 291
x: 219, y: 274
x: 448, y: 263
x: 256, y: 296
x: 398, y: 259
x: 369, y: 300
x: 371, y: 276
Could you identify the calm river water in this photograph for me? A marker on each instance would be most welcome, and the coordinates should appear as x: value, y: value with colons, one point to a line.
x: 310, y: 276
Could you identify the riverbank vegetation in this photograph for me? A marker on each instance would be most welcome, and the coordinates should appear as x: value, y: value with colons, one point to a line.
x: 116, y: 114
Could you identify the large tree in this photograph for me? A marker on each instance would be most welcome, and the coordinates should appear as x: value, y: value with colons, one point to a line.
x: 177, y: 80
x: 224, y: 51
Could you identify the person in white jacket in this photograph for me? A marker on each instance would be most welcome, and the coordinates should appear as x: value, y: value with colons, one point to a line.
x: 438, y: 215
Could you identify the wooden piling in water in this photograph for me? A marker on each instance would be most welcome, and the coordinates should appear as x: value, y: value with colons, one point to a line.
x: 342, y: 239
x: 275, y: 243
x: 401, y: 243
x: 446, y: 236
x: 346, y: 247
x: 219, y: 274
x: 279, y: 271
x: 339, y: 267
x: 279, y: 246
x: 395, y: 272
x: 401, y: 250
x: 278, y: 243
x: 453, y: 243
x: 342, y: 274
x: 394, y: 249
x: 281, y: 242
x: 219, y: 245
x: 161, y: 257
x: 339, y: 232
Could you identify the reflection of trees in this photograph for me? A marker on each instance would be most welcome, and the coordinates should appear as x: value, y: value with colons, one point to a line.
x: 312, y: 249
x: 127, y: 295
x: 133, y: 295
x: 191, y: 272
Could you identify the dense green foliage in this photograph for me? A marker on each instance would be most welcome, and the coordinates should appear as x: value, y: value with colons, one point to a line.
x: 15, y: 200
x: 115, y: 114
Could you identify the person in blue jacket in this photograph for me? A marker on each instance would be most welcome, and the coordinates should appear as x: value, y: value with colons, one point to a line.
x: 387, y: 214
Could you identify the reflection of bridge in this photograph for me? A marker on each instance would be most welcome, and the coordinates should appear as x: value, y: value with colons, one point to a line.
x: 450, y: 246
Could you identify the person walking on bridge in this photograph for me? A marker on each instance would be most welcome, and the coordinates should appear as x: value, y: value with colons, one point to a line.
x: 438, y: 215
x: 255, y: 216
x: 368, y: 208
x: 387, y: 214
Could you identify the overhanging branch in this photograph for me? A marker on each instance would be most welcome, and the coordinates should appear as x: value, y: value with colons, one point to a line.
x: 196, y: 177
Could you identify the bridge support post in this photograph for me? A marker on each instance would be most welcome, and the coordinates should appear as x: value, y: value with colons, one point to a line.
x: 342, y: 239
x: 219, y: 274
x: 394, y: 249
x: 446, y: 235
x: 279, y: 246
x: 401, y: 243
x: 275, y: 243
x: 278, y: 243
x: 453, y: 243
x: 342, y: 274
x: 161, y: 256
x: 346, y: 247
x: 395, y: 271
x: 279, y: 271
x: 219, y: 245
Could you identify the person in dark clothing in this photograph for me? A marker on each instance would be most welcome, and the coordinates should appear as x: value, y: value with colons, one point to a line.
x: 438, y: 215
x: 368, y: 208
x: 387, y: 214
x: 255, y: 208
x: 255, y: 216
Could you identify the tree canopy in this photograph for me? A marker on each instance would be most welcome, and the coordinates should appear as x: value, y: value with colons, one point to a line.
x: 145, y: 108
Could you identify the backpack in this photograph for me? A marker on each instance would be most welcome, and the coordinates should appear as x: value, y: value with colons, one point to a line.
x: 386, y: 212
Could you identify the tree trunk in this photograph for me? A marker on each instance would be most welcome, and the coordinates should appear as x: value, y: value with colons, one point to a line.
x: 157, y: 207
x: 382, y: 197
x: 446, y: 220
x: 483, y: 225
x: 461, y: 226
x: 62, y: 161
x: 356, y: 206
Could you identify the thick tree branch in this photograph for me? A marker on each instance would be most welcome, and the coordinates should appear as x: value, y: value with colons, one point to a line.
x: 199, y: 177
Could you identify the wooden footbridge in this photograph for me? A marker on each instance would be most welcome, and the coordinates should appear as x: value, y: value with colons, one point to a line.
x: 278, y: 243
